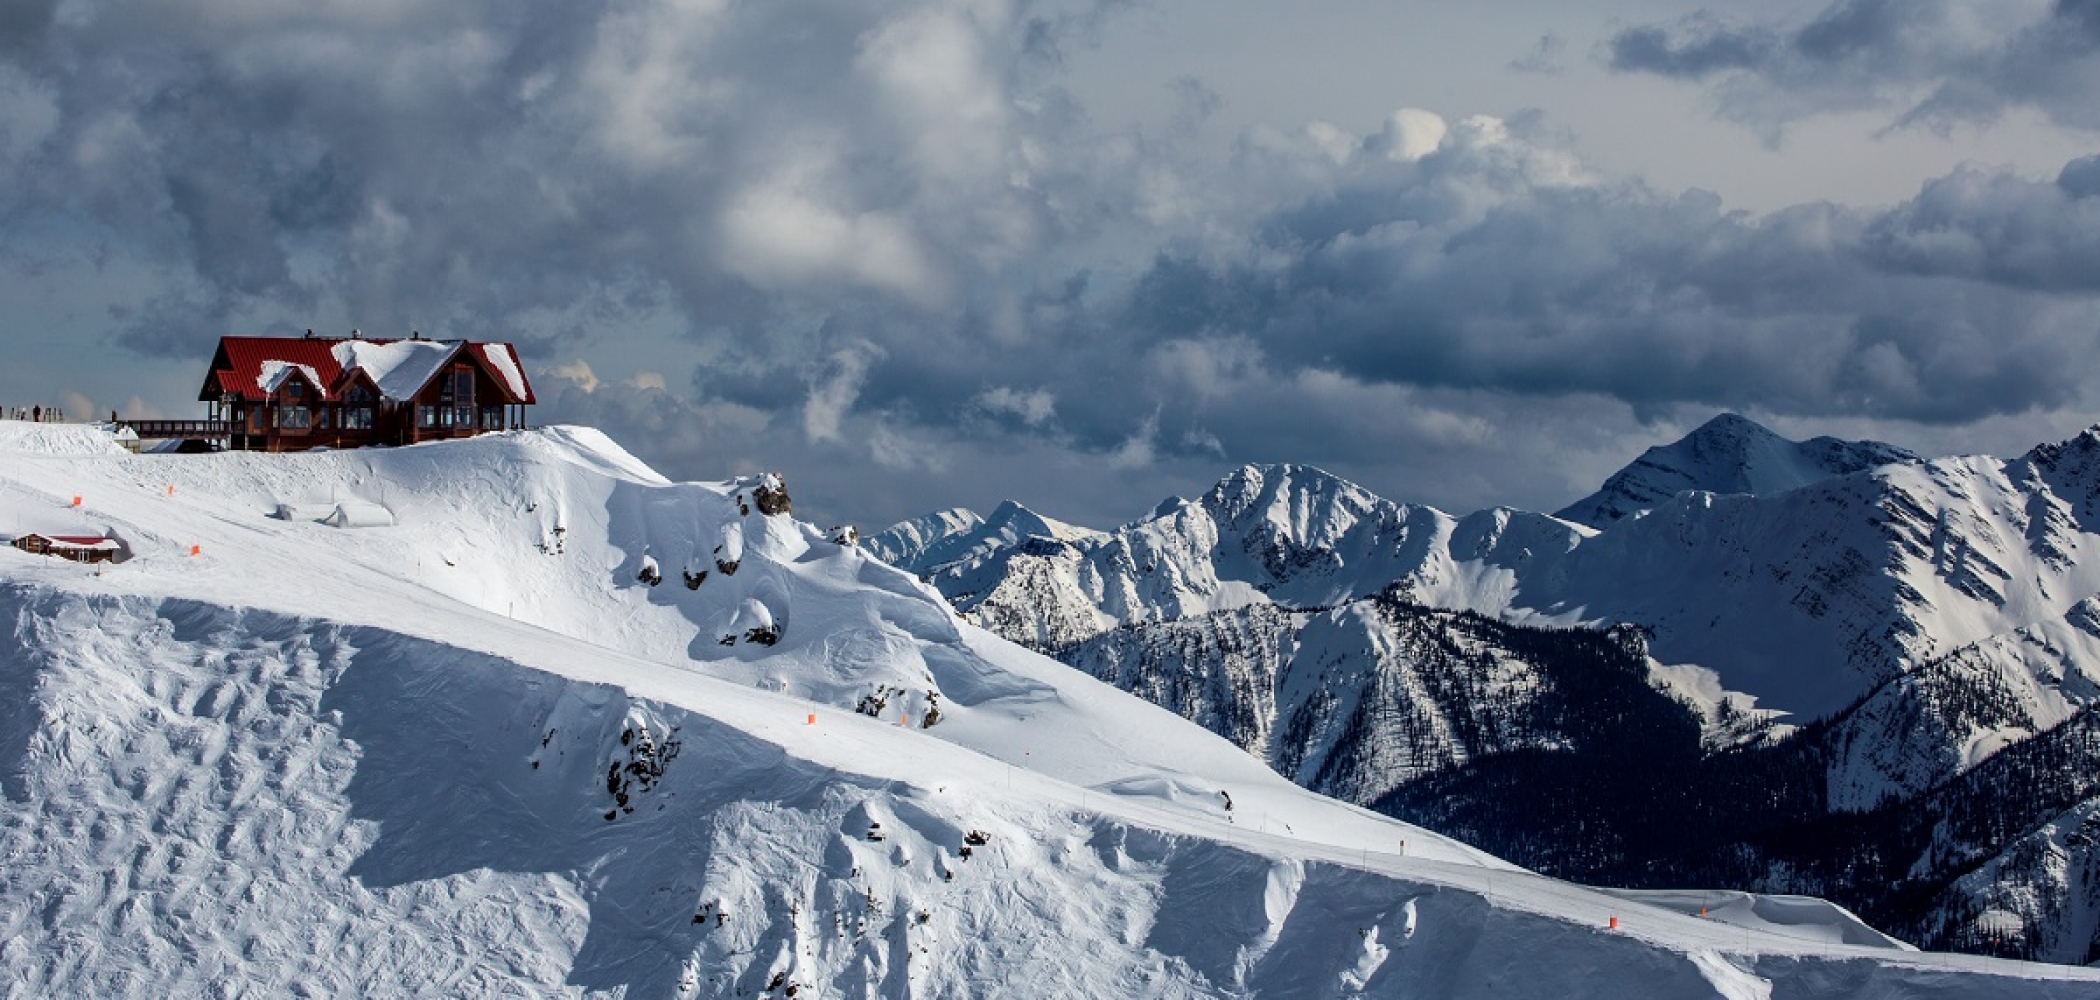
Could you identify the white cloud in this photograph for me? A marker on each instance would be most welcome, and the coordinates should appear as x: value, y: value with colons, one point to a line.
x: 1033, y: 407
x: 577, y: 373
x: 902, y: 448
x: 833, y: 389
x: 1412, y: 133
x: 1139, y: 449
x: 940, y: 88
x: 784, y: 240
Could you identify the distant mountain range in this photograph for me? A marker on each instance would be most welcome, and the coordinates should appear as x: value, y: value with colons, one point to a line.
x: 1848, y: 631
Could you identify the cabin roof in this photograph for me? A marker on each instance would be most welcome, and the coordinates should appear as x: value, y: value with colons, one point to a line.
x: 253, y: 368
x: 95, y: 542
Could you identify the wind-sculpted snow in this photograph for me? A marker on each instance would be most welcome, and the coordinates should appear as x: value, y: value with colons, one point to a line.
x: 475, y: 752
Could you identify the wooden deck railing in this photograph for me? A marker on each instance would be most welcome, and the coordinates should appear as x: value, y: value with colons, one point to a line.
x: 179, y: 428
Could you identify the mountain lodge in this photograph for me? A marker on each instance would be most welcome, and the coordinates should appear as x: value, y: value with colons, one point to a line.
x: 79, y: 548
x: 295, y: 393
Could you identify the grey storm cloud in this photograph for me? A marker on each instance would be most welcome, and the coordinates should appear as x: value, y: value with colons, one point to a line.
x: 1482, y: 266
x: 1931, y: 62
x: 469, y: 164
x: 894, y: 254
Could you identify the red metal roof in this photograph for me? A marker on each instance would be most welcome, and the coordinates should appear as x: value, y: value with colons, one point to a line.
x: 81, y: 541
x: 238, y: 366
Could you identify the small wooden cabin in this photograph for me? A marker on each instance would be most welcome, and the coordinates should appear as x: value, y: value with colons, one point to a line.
x: 295, y: 393
x: 79, y: 548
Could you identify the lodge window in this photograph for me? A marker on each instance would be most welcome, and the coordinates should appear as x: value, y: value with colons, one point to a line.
x: 492, y: 418
x: 357, y: 418
x: 458, y: 386
x: 294, y: 390
x: 358, y: 394
x: 426, y: 416
x: 292, y: 417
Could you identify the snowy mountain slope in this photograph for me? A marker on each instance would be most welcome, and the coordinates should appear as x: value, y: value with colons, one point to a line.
x: 1992, y: 861
x: 2039, y: 898
x: 2036, y: 893
x: 475, y: 532
x: 473, y: 753
x: 1728, y: 454
x: 1358, y: 700
x: 1810, y: 598
x: 1218, y: 670
x: 1551, y: 746
x: 1950, y: 714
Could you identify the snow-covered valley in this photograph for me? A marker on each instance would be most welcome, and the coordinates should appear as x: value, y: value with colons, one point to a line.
x: 473, y: 752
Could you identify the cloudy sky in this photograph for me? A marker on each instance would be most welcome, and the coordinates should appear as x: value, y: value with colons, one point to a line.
x: 1085, y: 253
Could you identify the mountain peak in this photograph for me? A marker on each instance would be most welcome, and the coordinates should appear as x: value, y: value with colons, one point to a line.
x: 1264, y: 486
x: 1728, y: 454
x: 1012, y: 512
x: 1729, y: 426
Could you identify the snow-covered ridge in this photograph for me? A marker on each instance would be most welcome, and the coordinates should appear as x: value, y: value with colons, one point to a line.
x: 1728, y: 454
x: 1291, y: 535
x: 958, y: 538
x: 477, y: 754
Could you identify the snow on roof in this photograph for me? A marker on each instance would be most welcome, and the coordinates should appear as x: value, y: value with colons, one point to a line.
x: 253, y: 367
x: 271, y: 376
x: 400, y: 367
x: 94, y: 543
x: 79, y: 543
x: 504, y: 362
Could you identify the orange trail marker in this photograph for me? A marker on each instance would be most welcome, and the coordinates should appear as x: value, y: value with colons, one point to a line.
x: 171, y: 490
x: 196, y: 550
x: 1614, y: 923
x: 76, y: 501
x: 812, y: 719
